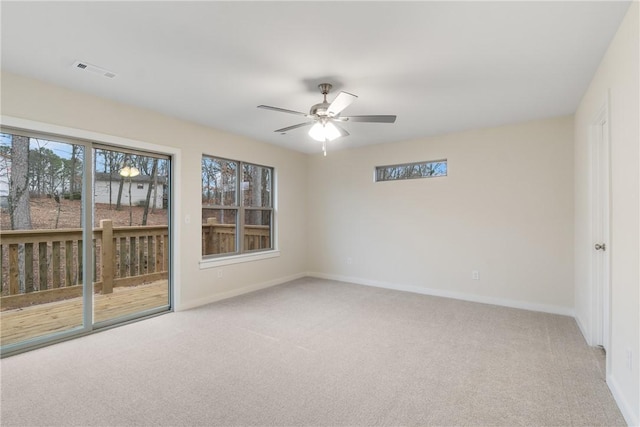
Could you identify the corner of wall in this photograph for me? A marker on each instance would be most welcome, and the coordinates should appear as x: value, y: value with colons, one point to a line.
x: 581, y: 325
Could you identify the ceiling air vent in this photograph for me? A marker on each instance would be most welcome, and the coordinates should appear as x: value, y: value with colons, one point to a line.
x: 84, y: 66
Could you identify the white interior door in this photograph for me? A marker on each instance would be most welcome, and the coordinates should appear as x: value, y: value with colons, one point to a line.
x: 600, y: 229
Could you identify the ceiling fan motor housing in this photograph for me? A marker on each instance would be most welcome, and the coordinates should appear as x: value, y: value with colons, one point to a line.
x: 319, y: 109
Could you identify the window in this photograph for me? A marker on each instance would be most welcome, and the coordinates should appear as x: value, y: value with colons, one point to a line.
x: 411, y: 170
x: 237, y: 207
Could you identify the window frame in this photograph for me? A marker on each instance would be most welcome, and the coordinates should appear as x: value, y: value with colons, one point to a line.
x: 241, y: 254
x: 410, y: 164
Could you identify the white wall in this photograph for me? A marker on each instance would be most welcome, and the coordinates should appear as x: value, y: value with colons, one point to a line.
x: 25, y: 98
x: 617, y: 73
x: 505, y: 209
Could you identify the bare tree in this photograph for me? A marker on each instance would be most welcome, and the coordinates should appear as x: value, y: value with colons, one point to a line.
x: 19, y: 209
x: 18, y: 200
x: 155, y: 188
x: 119, y: 200
x: 74, y: 166
x: 154, y: 171
x: 56, y: 197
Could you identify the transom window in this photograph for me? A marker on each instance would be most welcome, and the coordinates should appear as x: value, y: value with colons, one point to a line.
x: 415, y: 170
x: 237, y: 207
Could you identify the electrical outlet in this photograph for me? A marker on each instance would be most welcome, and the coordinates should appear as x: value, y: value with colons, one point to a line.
x: 629, y: 359
x: 475, y: 275
x: 219, y: 273
x: 349, y: 261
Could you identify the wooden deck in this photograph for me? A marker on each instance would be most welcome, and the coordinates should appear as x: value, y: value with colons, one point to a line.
x: 38, y: 320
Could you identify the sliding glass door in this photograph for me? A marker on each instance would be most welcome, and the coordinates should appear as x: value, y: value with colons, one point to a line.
x: 41, y: 242
x: 131, y: 228
x: 84, y: 237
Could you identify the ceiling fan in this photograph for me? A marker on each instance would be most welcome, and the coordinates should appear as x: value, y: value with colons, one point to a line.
x: 325, y: 117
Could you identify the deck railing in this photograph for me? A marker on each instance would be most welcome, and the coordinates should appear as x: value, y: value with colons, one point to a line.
x: 221, y: 238
x: 51, y: 264
x: 51, y: 261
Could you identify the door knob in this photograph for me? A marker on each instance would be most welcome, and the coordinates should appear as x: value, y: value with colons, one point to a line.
x: 601, y: 247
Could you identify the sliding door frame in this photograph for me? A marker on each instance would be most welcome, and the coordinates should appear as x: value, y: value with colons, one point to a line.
x: 91, y: 140
x: 156, y: 310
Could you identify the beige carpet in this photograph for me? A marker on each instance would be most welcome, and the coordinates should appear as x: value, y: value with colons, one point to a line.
x: 323, y: 353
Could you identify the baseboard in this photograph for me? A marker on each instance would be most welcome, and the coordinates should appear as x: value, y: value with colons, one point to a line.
x: 240, y: 291
x: 626, y: 409
x: 565, y: 311
x: 583, y: 330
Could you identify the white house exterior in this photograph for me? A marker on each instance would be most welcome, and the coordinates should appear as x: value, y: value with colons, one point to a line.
x: 139, y: 188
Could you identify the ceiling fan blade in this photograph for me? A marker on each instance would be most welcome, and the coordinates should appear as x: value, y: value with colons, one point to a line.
x: 288, y: 128
x: 371, y: 119
x: 282, y: 110
x: 342, y: 101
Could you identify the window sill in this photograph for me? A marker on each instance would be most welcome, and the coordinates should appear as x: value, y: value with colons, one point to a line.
x: 237, y: 259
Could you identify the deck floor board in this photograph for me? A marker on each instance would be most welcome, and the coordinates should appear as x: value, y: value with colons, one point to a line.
x: 43, y: 319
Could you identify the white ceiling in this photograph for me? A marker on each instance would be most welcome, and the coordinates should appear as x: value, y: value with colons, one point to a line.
x: 439, y: 66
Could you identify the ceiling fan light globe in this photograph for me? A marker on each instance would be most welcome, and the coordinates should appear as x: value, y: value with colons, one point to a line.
x: 331, y: 132
x: 324, y: 131
x: 317, y: 132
